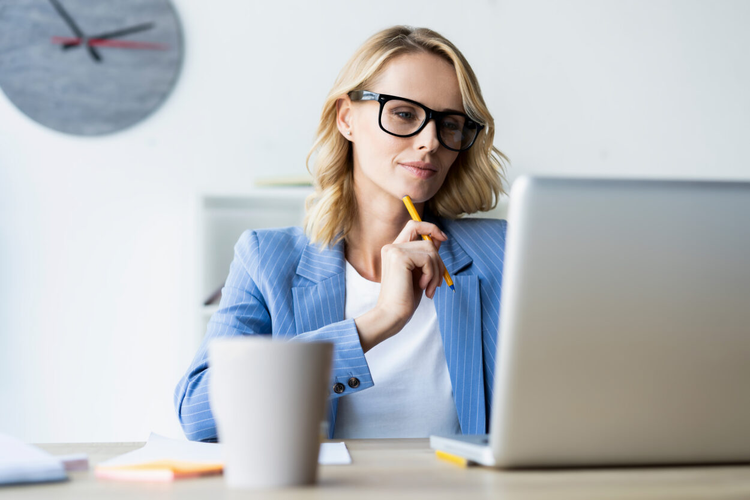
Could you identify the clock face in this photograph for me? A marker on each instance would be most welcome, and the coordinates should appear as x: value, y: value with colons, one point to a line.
x: 88, y: 67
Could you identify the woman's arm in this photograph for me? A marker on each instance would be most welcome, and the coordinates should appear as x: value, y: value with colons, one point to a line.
x: 243, y: 311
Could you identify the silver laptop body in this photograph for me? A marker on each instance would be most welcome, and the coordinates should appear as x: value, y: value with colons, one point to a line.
x: 624, y: 329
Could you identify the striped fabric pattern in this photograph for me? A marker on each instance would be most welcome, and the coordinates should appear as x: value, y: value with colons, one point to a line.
x: 281, y: 285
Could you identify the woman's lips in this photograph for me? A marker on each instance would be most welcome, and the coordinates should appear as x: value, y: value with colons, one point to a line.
x: 419, y: 169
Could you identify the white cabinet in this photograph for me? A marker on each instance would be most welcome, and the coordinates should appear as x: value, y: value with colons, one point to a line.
x: 223, y: 218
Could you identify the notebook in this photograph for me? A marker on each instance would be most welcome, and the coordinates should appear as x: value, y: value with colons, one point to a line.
x: 25, y: 463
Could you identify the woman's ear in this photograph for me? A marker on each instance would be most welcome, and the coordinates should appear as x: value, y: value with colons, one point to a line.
x: 344, y: 116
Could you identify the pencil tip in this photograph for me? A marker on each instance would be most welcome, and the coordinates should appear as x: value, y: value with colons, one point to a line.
x: 453, y: 288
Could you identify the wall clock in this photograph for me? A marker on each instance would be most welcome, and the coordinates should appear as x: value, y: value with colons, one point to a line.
x: 88, y: 67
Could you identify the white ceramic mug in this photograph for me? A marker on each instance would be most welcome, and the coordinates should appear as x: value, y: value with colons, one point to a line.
x: 268, y: 398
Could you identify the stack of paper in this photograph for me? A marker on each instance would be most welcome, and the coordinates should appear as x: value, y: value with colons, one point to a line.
x: 24, y: 463
x: 164, y: 459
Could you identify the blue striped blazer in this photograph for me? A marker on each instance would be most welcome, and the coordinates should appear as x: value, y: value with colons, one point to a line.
x: 280, y: 284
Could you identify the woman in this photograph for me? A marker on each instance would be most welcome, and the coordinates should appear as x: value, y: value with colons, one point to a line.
x: 411, y: 358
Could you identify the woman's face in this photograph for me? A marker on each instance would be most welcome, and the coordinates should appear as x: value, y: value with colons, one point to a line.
x: 386, y: 165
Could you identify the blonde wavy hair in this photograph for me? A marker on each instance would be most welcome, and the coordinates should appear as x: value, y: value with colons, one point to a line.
x: 474, y: 182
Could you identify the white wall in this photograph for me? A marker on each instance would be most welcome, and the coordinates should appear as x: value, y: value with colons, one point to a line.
x: 98, y: 237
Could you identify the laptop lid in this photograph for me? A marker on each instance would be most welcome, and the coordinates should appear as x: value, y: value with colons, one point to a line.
x: 625, y: 324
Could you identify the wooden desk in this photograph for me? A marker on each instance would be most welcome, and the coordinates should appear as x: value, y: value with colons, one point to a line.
x: 391, y: 469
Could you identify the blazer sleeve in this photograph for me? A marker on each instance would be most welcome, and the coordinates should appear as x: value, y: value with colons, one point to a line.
x: 243, y: 311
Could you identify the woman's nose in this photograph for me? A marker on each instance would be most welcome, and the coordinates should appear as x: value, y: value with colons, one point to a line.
x: 427, y: 138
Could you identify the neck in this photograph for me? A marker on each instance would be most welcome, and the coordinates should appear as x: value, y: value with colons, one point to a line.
x: 379, y: 220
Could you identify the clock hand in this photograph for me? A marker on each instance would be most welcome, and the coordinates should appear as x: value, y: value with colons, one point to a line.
x: 126, y: 31
x: 67, y: 18
x: 103, y: 42
x: 69, y: 21
x: 112, y: 34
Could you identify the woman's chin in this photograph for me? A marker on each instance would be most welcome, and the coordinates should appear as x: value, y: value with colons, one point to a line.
x: 419, y: 193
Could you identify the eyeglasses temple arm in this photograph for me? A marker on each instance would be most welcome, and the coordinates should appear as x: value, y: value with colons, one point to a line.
x: 363, y: 95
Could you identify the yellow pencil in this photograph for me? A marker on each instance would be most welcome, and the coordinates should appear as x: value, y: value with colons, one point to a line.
x: 415, y: 216
x: 454, y: 459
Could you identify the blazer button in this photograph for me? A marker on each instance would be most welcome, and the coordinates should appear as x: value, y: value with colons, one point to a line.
x: 338, y: 388
x: 353, y: 382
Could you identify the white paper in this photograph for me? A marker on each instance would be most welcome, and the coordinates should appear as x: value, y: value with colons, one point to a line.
x: 334, y: 454
x: 162, y: 448
x: 24, y: 463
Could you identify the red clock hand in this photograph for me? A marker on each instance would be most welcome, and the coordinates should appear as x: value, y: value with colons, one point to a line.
x: 103, y: 42
x: 115, y: 34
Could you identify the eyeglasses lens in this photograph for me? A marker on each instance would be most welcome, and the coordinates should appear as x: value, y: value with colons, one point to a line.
x: 404, y: 118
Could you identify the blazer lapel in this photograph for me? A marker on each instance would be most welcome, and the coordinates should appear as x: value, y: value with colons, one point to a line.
x: 320, y: 288
x: 460, y: 321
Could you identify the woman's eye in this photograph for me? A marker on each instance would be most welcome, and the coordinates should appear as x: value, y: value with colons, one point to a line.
x: 405, y: 114
x: 452, y: 126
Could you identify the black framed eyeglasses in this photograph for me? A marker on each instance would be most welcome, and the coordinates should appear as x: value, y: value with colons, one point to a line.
x: 404, y: 118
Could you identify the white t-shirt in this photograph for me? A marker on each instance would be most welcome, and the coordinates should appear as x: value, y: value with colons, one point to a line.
x: 412, y: 394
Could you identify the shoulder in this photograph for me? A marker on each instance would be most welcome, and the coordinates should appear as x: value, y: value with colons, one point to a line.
x: 482, y: 239
x: 263, y: 241
x: 477, y: 228
x: 260, y: 249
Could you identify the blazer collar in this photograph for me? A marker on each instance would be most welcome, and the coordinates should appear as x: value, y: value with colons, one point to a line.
x: 318, y: 264
x: 454, y: 256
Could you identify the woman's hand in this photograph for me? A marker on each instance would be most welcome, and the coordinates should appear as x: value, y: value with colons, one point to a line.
x: 409, y: 266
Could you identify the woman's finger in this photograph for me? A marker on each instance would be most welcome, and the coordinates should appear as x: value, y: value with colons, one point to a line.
x: 413, y: 230
x: 430, y: 290
x: 428, y: 271
x: 438, y: 273
x: 432, y: 259
x: 416, y: 252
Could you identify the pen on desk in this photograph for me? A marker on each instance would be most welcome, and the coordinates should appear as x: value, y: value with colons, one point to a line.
x: 454, y: 459
x: 415, y: 216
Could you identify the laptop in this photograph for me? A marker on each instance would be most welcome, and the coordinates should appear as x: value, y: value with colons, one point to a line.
x: 624, y: 328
